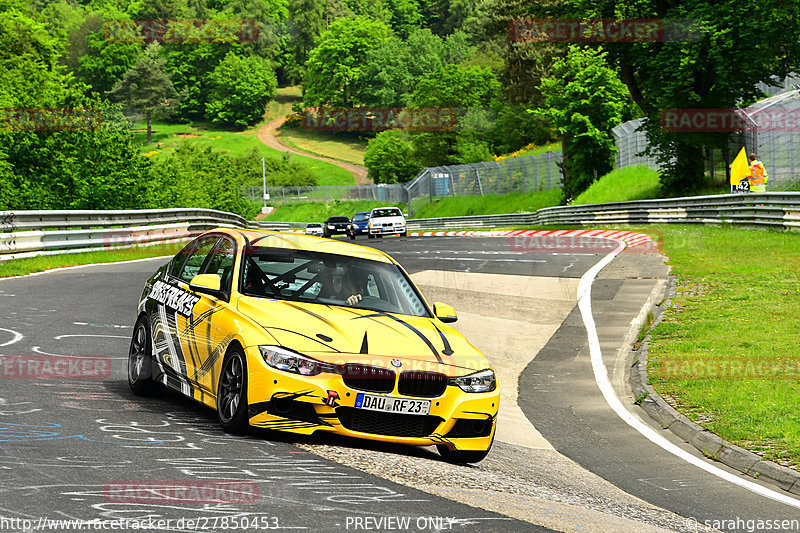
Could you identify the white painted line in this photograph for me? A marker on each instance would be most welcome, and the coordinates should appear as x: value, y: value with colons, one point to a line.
x: 17, y: 337
x: 109, y: 336
x: 75, y: 267
x: 485, y: 260
x: 601, y: 378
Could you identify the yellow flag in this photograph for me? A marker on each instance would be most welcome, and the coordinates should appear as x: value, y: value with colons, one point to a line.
x: 740, y: 168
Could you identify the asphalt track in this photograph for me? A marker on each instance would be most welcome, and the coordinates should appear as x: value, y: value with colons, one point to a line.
x: 64, y: 442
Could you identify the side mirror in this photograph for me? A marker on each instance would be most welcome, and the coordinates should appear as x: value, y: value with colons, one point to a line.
x: 206, y: 283
x: 444, y: 312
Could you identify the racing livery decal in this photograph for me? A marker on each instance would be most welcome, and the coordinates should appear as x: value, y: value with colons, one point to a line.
x: 180, y: 300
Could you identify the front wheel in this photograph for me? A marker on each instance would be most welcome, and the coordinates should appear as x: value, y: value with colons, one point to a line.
x: 140, y: 359
x: 352, y: 235
x: 371, y: 236
x: 232, y: 393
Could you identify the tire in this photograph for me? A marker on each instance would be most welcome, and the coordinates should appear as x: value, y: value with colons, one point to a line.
x: 370, y: 236
x: 140, y: 359
x: 352, y: 236
x: 463, y: 457
x: 404, y: 234
x: 232, y: 393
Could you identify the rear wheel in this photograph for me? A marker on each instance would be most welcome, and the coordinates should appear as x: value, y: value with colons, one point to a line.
x: 140, y: 359
x: 232, y: 393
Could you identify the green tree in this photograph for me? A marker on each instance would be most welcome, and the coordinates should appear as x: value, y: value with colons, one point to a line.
x: 584, y: 100
x: 106, y: 61
x: 190, y: 66
x: 457, y: 86
x: 395, y: 67
x: 239, y: 89
x: 307, y: 24
x: 715, y: 60
x: 335, y: 67
x: 471, y: 93
x: 146, y: 87
x: 390, y: 157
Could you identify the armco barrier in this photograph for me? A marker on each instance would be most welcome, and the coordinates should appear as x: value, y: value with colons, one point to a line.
x: 28, y: 233
x: 31, y: 233
x: 770, y: 209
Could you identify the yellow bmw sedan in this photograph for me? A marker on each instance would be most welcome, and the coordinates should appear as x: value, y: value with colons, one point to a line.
x: 303, y: 334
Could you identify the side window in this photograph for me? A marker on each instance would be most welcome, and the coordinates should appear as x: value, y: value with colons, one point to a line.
x: 221, y: 263
x: 180, y: 258
x: 198, y: 257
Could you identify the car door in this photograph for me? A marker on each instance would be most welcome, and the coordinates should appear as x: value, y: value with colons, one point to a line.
x: 178, y: 314
x: 212, y: 332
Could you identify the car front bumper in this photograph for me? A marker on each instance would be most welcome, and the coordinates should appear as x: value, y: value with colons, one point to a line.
x: 306, y: 404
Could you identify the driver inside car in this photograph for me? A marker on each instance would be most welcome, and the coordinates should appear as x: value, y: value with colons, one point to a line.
x: 345, y: 287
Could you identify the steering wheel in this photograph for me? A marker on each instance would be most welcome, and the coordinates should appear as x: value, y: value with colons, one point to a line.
x: 373, y: 302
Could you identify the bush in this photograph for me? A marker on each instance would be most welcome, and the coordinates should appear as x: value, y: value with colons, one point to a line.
x: 390, y: 157
x: 196, y: 177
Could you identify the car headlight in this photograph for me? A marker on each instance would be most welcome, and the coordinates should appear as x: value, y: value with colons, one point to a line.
x: 283, y: 359
x: 331, y: 226
x: 483, y: 381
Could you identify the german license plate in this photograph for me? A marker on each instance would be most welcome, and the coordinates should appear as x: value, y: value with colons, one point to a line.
x: 392, y: 404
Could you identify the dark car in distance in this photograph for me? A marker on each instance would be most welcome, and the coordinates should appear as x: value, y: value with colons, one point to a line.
x: 336, y: 225
x: 359, y: 225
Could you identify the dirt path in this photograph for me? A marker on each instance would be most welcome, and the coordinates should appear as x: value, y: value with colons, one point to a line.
x: 267, y: 134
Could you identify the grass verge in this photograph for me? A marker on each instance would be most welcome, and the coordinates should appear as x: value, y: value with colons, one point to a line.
x: 167, y: 137
x: 28, y: 265
x: 725, y: 353
x: 349, y: 149
x: 621, y: 185
x: 489, y: 204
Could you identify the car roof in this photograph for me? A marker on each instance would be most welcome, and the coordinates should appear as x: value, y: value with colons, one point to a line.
x: 298, y: 241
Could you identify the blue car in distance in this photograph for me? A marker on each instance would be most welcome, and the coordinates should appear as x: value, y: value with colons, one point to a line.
x: 358, y: 225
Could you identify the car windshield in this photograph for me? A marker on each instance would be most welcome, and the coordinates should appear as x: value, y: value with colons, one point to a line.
x: 330, y: 279
x: 360, y: 216
x: 338, y: 219
x: 389, y: 212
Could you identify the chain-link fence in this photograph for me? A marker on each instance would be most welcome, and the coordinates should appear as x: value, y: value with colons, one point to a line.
x: 773, y: 133
x: 516, y: 174
x: 524, y: 174
x: 392, y: 194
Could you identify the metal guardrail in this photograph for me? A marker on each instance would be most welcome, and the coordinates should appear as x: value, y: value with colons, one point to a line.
x: 30, y: 233
x: 771, y: 209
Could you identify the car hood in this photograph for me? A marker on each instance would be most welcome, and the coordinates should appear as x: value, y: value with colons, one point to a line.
x: 343, y: 334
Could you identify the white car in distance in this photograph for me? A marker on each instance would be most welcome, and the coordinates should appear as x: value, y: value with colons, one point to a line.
x: 314, y: 228
x: 386, y: 221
